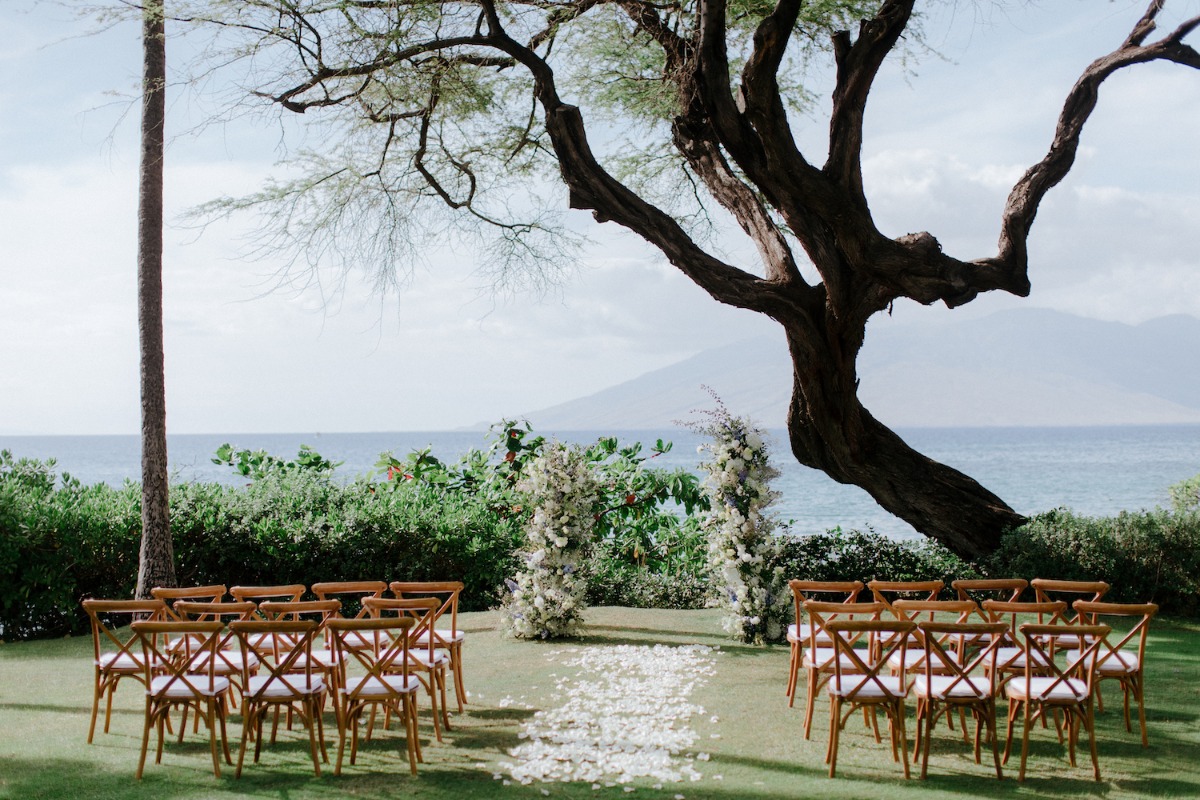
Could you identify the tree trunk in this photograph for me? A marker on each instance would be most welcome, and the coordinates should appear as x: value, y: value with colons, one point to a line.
x: 156, y: 563
x: 830, y: 430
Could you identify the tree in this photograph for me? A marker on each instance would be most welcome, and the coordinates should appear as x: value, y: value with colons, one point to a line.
x: 156, y: 562
x: 462, y: 102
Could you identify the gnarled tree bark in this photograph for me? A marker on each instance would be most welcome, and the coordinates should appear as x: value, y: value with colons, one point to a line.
x: 733, y: 137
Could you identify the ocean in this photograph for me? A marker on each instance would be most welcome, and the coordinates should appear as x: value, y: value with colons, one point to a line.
x: 1094, y: 471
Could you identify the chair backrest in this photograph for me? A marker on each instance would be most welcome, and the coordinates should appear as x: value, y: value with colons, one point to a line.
x: 446, y: 593
x: 350, y: 593
x: 887, y: 592
x: 221, y: 613
x: 291, y: 592
x: 200, y: 594
x: 423, y: 611
x: 1047, y: 590
x: 980, y: 589
x: 318, y: 611
x: 189, y: 664
x: 387, y: 653
x: 290, y: 642
x: 824, y: 591
x: 951, y: 666
x: 1048, y: 613
x: 1040, y: 643
x: 855, y: 670
x: 1090, y: 612
x: 821, y: 614
x: 934, y: 611
x: 108, y: 616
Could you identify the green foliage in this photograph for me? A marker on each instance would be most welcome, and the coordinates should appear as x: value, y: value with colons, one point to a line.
x: 1185, y: 495
x: 1146, y: 556
x: 839, y: 555
x: 256, y: 464
x: 58, y: 545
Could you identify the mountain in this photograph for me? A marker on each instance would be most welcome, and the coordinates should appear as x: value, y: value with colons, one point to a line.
x: 1029, y: 367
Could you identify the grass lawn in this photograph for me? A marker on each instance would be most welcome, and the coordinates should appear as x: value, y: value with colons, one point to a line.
x: 755, y: 745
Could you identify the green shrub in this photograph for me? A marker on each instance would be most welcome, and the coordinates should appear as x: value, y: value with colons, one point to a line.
x: 838, y: 555
x: 1146, y: 556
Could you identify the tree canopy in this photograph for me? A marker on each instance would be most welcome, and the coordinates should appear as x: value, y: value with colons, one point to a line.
x: 658, y: 116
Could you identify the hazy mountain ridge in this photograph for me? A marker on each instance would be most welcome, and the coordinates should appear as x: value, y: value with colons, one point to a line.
x: 1029, y: 367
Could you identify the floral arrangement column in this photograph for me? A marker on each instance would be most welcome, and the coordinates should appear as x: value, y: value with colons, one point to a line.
x: 743, y: 552
x: 546, y: 600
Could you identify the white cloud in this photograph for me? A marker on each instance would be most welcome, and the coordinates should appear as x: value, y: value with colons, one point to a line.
x: 1116, y: 240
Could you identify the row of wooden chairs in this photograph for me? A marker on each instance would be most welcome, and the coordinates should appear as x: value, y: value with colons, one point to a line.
x: 1015, y: 644
x: 192, y: 650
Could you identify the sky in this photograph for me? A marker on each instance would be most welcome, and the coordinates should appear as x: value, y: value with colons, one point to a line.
x: 945, y: 140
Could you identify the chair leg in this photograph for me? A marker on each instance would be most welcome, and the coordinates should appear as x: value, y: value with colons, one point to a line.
x: 211, y: 719
x: 1024, y: 742
x: 1139, y: 687
x: 835, y: 725
x: 249, y: 720
x: 1090, y: 723
x: 309, y: 716
x: 793, y: 673
x: 928, y: 721
x: 460, y: 691
x: 145, y: 739
x: 990, y: 713
x: 809, y: 702
x: 897, y: 721
x: 112, y: 688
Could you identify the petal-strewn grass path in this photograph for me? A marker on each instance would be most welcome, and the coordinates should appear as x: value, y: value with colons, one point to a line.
x: 719, y: 716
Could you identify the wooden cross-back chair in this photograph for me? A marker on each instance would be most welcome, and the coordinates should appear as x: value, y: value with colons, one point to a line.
x: 825, y: 591
x: 181, y: 674
x: 1047, y: 591
x: 323, y: 657
x: 1068, y: 689
x: 289, y: 681
x: 980, y: 589
x: 197, y: 594
x: 291, y: 592
x: 381, y: 679
x: 949, y: 681
x: 230, y: 660
x: 429, y: 662
x: 1011, y: 654
x: 446, y: 633
x: 914, y: 657
x: 819, y: 655
x: 858, y: 681
x: 1124, y: 660
x: 115, y: 655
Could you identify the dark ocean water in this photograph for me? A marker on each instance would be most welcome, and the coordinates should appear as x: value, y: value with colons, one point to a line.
x: 1097, y: 471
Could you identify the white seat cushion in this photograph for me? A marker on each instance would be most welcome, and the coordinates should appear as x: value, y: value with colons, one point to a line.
x: 1119, y: 663
x: 802, y: 633
x: 1046, y: 689
x: 1014, y: 658
x: 914, y: 658
x: 373, y: 687
x: 939, y: 687
x: 422, y: 657
x: 443, y: 636
x: 822, y: 658
x: 119, y: 662
x: 275, y: 687
x: 165, y: 685
x: 322, y: 659
x: 227, y: 663
x: 893, y: 686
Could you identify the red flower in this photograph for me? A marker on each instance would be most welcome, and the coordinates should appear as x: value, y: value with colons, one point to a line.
x: 629, y: 499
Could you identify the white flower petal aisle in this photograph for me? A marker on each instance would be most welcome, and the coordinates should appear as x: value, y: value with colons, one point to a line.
x: 625, y: 715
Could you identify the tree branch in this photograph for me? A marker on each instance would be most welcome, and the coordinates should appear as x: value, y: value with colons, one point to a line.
x: 1009, y: 269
